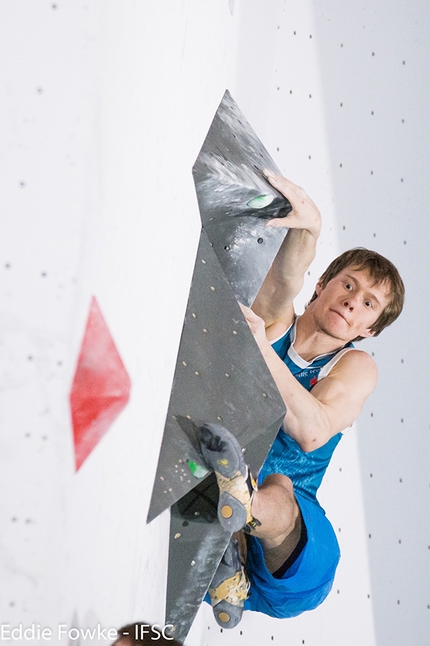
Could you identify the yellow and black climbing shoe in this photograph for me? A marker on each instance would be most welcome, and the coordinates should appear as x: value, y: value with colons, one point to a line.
x: 229, y: 588
x: 221, y: 451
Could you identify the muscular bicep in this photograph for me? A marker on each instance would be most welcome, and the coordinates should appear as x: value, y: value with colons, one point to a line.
x: 341, y: 396
x: 346, y: 388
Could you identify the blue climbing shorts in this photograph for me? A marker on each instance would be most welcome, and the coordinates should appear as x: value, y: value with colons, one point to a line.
x: 308, y: 580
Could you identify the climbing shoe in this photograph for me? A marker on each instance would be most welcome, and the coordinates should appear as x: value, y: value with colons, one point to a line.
x: 229, y: 588
x: 222, y: 453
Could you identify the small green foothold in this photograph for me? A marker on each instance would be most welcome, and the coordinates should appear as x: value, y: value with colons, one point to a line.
x: 261, y: 201
x: 197, y: 470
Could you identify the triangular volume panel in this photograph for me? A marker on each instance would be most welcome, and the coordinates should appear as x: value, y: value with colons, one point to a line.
x: 220, y: 377
x: 101, y: 386
x: 235, y: 200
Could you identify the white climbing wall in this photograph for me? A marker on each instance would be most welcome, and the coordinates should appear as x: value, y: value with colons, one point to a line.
x: 104, y: 106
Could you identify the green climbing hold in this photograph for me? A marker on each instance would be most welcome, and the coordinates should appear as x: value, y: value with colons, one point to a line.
x: 197, y: 470
x: 261, y: 201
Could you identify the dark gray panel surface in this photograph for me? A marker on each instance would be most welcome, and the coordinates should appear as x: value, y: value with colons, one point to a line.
x: 220, y: 377
x: 228, y: 175
x: 197, y: 543
x: 220, y: 374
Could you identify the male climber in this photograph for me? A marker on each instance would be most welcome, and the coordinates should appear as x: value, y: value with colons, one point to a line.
x: 292, y: 550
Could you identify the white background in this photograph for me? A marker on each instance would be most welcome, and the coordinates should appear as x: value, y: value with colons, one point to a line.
x: 104, y: 105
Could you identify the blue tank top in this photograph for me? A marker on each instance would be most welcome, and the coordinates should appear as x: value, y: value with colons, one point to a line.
x: 306, y: 470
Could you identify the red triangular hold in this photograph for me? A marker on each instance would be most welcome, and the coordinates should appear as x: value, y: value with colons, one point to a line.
x: 101, y: 386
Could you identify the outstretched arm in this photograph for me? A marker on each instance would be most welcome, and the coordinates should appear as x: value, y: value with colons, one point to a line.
x: 274, y: 301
